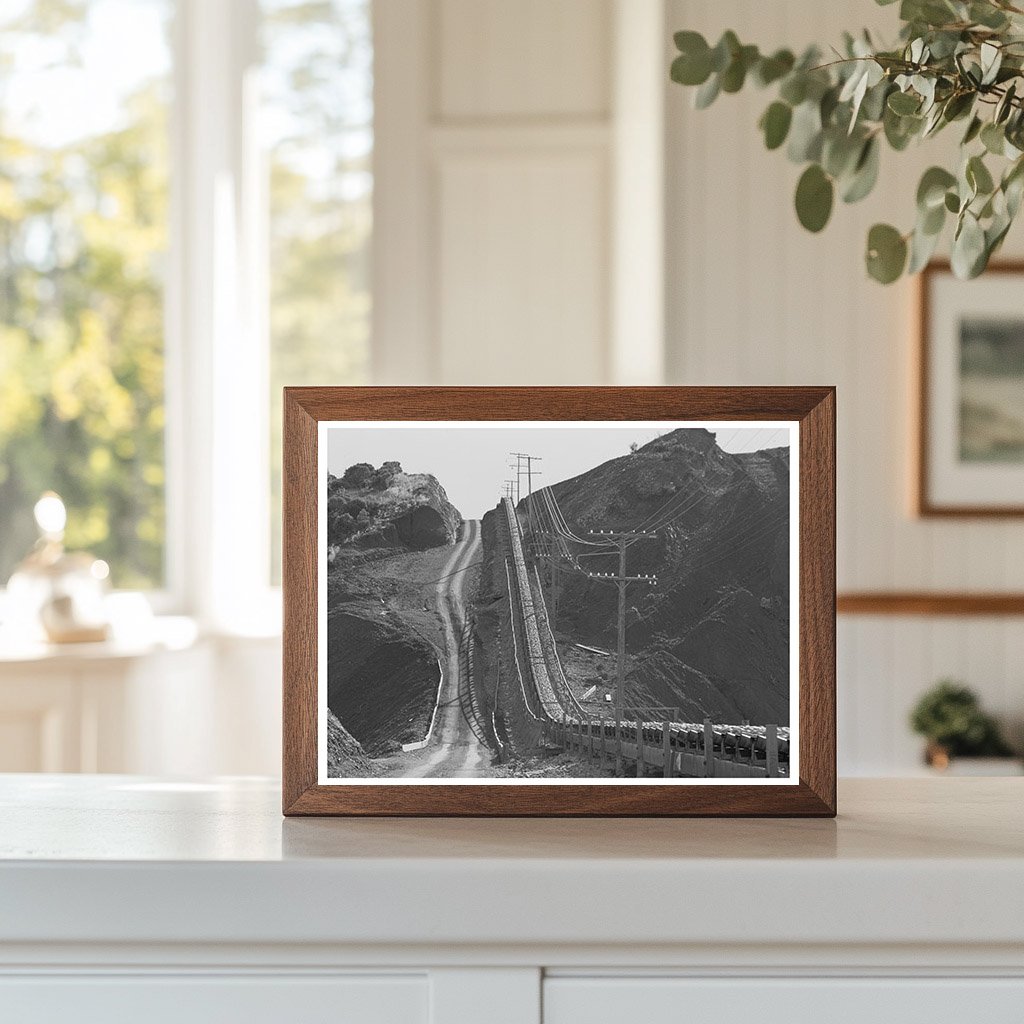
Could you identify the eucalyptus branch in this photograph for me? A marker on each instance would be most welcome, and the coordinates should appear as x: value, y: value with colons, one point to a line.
x: 955, y: 61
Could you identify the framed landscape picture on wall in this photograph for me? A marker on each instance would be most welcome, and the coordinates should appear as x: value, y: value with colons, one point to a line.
x: 970, y: 451
x: 559, y: 601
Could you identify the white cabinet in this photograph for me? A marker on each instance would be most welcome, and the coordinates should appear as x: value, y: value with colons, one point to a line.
x: 99, y: 708
x: 828, y: 1000
x: 174, y: 704
x: 203, y: 999
x: 133, y: 899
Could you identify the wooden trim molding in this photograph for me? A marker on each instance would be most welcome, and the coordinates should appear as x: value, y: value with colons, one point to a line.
x: 928, y: 603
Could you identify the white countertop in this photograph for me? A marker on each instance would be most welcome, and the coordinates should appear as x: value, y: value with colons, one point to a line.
x: 123, y: 859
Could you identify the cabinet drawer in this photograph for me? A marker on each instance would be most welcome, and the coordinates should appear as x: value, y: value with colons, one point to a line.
x: 570, y: 1000
x: 202, y: 999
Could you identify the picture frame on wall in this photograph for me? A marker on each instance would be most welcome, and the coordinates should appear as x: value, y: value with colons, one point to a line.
x: 559, y: 601
x: 970, y: 418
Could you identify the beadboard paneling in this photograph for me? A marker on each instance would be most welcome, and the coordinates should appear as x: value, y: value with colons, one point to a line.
x: 754, y: 299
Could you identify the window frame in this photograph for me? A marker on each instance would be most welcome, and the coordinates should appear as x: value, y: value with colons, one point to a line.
x: 216, y: 347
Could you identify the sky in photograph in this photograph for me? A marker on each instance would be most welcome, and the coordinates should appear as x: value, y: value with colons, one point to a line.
x: 472, y: 460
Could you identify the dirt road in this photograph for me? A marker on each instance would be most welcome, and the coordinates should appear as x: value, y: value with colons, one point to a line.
x: 457, y: 748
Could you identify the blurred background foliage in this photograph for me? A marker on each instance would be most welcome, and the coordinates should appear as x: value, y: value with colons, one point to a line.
x: 83, y: 232
x: 84, y: 245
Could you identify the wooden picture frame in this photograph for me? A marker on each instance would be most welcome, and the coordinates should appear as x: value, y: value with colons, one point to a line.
x: 935, y: 476
x: 809, y: 412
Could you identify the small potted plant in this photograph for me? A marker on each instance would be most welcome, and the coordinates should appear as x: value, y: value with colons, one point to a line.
x: 950, y: 717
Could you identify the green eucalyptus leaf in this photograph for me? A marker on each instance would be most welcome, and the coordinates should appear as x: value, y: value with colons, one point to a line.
x: 805, y: 133
x: 922, y: 247
x: 958, y: 105
x: 725, y: 50
x: 973, y: 130
x: 903, y: 103
x: 991, y: 60
x: 932, y: 220
x: 929, y: 12
x: 994, y: 236
x: 688, y: 42
x: 988, y: 15
x: 944, y: 44
x: 873, y: 106
x: 692, y: 68
x: 865, y: 174
x: 866, y: 74
x: 840, y: 152
x: 735, y: 74
x: 1013, y: 187
x: 707, y: 93
x: 828, y: 106
x: 978, y: 176
x: 969, y: 253
x: 771, y: 69
x: 952, y: 202
x: 775, y: 124
x: 886, y: 253
x: 814, y: 195
x: 900, y: 130
x: 794, y: 88
x: 935, y: 121
x: 993, y: 138
x: 1005, y: 105
x: 931, y: 190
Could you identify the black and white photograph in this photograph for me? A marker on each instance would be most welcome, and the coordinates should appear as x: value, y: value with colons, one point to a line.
x: 558, y: 602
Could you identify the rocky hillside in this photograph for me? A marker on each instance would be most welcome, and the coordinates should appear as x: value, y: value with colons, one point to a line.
x: 383, y: 526
x: 381, y: 678
x: 345, y: 756
x: 370, y: 508
x: 713, y: 637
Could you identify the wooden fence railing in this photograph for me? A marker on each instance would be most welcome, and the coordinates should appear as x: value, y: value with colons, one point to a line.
x: 677, y: 750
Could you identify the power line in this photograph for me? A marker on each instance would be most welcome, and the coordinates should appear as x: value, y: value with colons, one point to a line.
x: 622, y: 579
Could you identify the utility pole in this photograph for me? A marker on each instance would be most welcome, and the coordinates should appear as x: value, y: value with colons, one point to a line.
x: 622, y: 539
x: 509, y: 489
x: 529, y: 460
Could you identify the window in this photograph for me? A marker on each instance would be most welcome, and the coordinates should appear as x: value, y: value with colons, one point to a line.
x: 239, y: 217
x: 83, y: 235
x: 317, y: 116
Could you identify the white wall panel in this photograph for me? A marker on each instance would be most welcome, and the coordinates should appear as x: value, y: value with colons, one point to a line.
x: 526, y: 58
x: 521, y: 283
x: 754, y: 299
x: 494, y: 207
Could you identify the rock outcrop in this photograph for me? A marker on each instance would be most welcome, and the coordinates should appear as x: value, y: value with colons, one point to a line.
x: 370, y: 508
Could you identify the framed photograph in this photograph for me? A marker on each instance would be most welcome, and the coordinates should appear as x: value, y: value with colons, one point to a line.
x: 559, y: 601
x: 970, y: 451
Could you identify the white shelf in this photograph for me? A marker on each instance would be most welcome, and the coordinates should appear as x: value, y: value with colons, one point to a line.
x: 126, y: 897
x: 122, y: 859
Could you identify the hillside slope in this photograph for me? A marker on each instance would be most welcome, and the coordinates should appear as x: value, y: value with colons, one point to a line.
x: 713, y: 637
